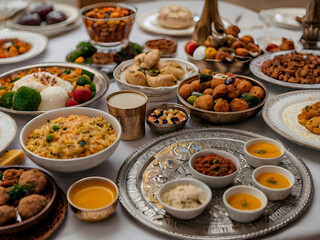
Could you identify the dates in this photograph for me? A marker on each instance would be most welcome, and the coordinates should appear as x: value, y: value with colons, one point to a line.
x: 41, y: 15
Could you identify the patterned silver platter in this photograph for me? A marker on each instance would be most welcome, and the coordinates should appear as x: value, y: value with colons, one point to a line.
x: 166, y: 158
x: 255, y: 68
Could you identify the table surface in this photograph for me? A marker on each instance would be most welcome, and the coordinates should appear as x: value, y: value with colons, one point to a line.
x: 121, y: 225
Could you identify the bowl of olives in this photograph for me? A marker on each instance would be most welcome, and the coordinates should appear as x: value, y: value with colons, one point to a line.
x: 222, y: 98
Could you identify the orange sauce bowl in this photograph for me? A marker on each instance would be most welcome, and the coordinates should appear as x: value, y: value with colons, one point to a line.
x: 93, y: 199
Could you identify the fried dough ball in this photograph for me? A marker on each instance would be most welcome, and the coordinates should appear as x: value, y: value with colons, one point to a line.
x: 236, y: 81
x: 31, y: 205
x: 170, y: 67
x: 204, y: 102
x: 233, y: 30
x: 244, y: 86
x: 207, y: 72
x: 135, y: 77
x: 4, y: 196
x: 232, y: 92
x: 11, y: 177
x: 258, y: 92
x: 35, y: 176
x: 247, y: 39
x: 220, y: 90
x: 221, y: 105
x: 185, y: 91
x: 162, y: 80
x: 215, y: 82
x: 196, y: 85
x: 7, y: 214
x: 238, y: 104
x: 313, y: 125
x: 286, y: 44
x: 208, y: 91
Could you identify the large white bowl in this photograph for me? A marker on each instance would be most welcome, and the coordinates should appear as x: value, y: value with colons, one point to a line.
x: 272, y: 193
x: 154, y: 93
x: 76, y: 164
x: 184, y: 213
x: 244, y: 215
x: 212, y: 181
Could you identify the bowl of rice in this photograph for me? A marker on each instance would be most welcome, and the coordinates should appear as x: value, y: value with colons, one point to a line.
x: 184, y: 198
x: 70, y: 140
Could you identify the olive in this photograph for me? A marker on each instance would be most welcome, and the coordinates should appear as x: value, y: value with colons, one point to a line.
x: 55, y: 17
x: 33, y: 19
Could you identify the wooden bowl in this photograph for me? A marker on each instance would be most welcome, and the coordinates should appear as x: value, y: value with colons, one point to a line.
x: 50, y: 192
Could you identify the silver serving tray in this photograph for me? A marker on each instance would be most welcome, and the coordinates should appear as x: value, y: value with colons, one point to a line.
x: 256, y: 64
x: 100, y: 79
x: 166, y: 158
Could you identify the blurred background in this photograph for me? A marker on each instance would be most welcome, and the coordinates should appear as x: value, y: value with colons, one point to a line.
x: 255, y: 5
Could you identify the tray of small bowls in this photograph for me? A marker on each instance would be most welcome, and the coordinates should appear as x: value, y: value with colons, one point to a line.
x: 222, y: 98
x: 199, y: 184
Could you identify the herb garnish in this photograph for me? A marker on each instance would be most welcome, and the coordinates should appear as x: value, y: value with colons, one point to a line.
x: 272, y: 181
x: 197, y: 201
x: 82, y: 143
x: 260, y: 151
x: 17, y: 191
x: 205, y: 77
x: 49, y: 138
x: 244, y: 203
x: 306, y: 107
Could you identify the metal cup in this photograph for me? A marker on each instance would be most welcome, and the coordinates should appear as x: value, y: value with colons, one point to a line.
x: 132, y: 119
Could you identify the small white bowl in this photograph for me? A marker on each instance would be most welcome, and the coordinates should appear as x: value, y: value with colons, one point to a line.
x: 244, y: 215
x: 184, y: 213
x: 259, y: 161
x: 72, y: 165
x: 212, y: 181
x: 273, y: 194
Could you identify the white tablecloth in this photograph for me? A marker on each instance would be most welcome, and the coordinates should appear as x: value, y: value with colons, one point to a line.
x: 121, y: 225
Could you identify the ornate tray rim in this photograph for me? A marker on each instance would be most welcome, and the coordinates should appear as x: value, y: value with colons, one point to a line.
x: 130, y: 209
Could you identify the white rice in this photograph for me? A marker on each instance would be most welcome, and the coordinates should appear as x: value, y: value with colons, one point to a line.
x: 184, y: 196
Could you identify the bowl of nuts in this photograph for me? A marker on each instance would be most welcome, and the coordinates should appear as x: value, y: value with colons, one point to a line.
x: 108, y: 25
x: 226, y: 52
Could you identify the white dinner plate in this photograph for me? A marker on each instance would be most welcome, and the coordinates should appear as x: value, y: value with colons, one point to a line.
x: 71, y: 12
x: 256, y: 63
x: 148, y: 22
x: 284, y: 17
x: 8, y: 130
x: 281, y: 114
x: 38, y: 43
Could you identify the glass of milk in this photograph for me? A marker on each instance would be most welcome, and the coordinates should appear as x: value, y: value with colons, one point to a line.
x: 129, y: 107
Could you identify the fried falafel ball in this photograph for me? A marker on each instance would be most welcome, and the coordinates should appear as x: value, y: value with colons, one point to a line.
x: 35, y: 176
x: 7, y: 214
x: 238, y: 104
x: 204, y: 102
x: 4, y: 196
x: 31, y: 205
x: 258, y: 92
x: 244, y: 86
x: 221, y: 105
x: 11, y: 177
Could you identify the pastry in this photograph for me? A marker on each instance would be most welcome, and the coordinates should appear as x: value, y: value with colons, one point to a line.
x: 175, y: 16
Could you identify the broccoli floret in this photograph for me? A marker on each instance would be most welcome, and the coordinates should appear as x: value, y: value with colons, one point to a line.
x: 86, y: 48
x: 83, y: 80
x: 26, y: 99
x: 6, y: 99
x: 251, y: 99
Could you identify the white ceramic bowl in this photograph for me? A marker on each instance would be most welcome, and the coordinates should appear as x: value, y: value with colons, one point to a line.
x: 154, y: 93
x: 244, y: 215
x: 75, y: 164
x: 184, y: 213
x: 214, y: 182
x: 273, y: 194
x: 259, y: 161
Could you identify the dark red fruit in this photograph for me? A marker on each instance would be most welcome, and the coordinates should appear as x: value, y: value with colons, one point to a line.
x: 71, y: 102
x: 82, y: 95
x: 42, y: 10
x: 32, y: 19
x: 55, y: 17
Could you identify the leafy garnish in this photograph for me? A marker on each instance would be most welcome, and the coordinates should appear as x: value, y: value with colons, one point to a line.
x: 82, y: 143
x: 272, y: 181
x: 197, y: 201
x: 152, y: 72
x: 1, y: 176
x: 260, y: 151
x: 244, y: 203
x: 205, y: 77
x: 306, y: 107
x: 17, y: 191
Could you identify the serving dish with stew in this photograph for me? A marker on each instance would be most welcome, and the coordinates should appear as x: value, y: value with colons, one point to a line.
x: 166, y: 158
